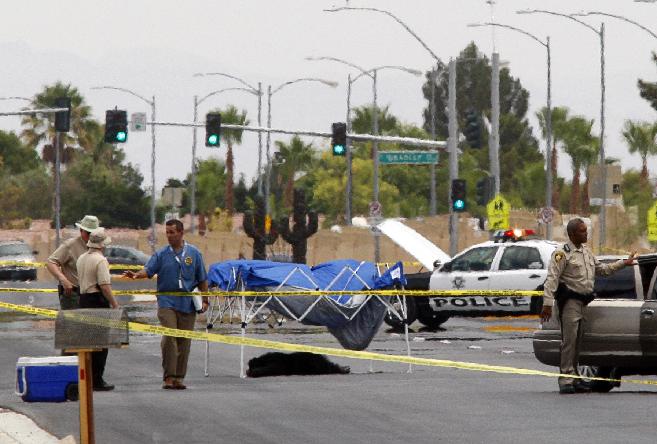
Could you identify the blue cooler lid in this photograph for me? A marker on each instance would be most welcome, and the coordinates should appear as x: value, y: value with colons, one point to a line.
x: 48, y: 360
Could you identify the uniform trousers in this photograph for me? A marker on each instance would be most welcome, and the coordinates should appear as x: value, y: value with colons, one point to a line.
x: 572, y: 317
x: 98, y: 358
x: 69, y: 302
x: 175, y: 351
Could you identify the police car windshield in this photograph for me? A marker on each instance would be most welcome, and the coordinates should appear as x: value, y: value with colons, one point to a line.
x: 14, y: 250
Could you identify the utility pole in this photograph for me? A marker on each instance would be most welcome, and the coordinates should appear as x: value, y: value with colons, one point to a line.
x: 494, y: 139
x: 453, y: 157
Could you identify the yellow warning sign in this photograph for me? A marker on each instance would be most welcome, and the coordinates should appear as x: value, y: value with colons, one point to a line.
x: 498, y: 210
x: 652, y: 223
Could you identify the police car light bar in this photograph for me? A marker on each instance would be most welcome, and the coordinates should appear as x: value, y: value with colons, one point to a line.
x: 513, y: 234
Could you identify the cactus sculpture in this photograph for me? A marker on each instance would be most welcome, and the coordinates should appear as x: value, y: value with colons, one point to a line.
x: 254, y: 227
x: 305, y: 225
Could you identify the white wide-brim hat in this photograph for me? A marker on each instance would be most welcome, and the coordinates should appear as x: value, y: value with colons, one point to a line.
x: 88, y: 223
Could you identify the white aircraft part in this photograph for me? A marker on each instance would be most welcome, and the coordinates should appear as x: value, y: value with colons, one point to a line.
x: 413, y: 243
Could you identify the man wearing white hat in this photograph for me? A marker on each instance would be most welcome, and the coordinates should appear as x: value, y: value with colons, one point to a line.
x: 96, y: 292
x: 62, y: 263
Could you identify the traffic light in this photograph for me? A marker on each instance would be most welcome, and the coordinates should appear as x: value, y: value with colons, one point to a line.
x: 339, y: 138
x: 485, y: 188
x: 212, y: 129
x: 116, y: 126
x: 472, y: 128
x: 458, y: 195
x: 63, y: 118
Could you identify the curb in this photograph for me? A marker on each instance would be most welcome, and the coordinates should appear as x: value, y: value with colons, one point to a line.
x: 16, y: 428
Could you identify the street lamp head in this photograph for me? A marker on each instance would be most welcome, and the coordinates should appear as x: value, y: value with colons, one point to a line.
x: 476, y: 25
x: 525, y: 11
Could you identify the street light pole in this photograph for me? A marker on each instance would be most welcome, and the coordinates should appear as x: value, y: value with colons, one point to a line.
x: 197, y: 102
x: 153, y: 237
x: 270, y: 93
x: 439, y: 64
x: 603, y: 166
x: 372, y: 74
x: 258, y: 92
x: 347, y: 207
x: 548, y: 119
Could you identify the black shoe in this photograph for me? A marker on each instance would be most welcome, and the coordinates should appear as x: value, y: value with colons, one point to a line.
x: 103, y: 386
x: 582, y: 387
x: 567, y: 389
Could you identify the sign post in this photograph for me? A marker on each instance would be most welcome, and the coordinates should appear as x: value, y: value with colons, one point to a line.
x: 498, y: 210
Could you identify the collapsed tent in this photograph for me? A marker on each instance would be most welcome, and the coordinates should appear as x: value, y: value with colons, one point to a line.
x: 352, y: 319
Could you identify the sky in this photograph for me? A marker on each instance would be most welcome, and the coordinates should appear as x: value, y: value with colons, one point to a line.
x: 153, y: 48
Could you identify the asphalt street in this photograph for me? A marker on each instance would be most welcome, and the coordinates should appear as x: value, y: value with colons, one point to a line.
x: 377, y: 402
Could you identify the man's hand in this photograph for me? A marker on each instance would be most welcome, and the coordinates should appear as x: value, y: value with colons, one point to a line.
x: 68, y: 287
x: 546, y: 313
x: 630, y: 260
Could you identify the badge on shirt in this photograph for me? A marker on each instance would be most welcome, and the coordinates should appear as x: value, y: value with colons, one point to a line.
x: 558, y: 256
x: 188, y: 260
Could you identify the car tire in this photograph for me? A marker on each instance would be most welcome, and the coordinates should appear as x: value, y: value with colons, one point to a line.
x: 599, y: 372
x: 72, y: 392
x: 411, y: 313
x: 427, y: 316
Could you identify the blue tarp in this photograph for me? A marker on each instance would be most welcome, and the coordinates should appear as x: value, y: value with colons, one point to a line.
x: 347, y: 274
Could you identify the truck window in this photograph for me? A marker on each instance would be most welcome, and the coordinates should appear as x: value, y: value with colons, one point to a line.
x: 619, y: 285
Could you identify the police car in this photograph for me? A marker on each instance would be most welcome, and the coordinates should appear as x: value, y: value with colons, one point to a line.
x: 514, y: 260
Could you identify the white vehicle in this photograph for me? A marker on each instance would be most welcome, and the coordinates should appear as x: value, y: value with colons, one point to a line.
x: 514, y: 260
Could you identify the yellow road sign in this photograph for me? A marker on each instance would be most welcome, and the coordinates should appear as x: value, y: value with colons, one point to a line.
x: 652, y: 223
x: 498, y: 210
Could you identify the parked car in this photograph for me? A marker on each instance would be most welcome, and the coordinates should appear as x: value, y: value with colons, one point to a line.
x: 124, y: 255
x: 620, y: 335
x: 17, y: 252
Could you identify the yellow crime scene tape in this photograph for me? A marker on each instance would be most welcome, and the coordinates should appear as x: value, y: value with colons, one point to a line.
x: 43, y: 264
x: 226, y: 293
x: 352, y: 354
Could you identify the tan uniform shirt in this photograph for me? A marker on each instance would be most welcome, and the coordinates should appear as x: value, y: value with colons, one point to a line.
x: 93, y: 270
x: 576, y: 268
x: 66, y: 256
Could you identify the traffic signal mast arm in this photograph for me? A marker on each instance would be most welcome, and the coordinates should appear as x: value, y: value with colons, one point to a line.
x: 33, y: 111
x: 354, y: 137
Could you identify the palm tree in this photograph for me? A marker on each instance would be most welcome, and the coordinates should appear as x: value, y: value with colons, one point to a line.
x: 640, y: 138
x: 231, y: 115
x: 577, y: 144
x: 558, y: 119
x: 589, y: 156
x: 362, y: 122
x: 296, y: 156
x: 40, y: 128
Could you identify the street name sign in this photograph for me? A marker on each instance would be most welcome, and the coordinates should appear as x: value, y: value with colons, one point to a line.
x: 408, y: 157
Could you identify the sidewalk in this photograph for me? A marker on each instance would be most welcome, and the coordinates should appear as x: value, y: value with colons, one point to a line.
x: 19, y: 429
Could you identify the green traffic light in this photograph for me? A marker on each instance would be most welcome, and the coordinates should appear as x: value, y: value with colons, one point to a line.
x: 459, y: 205
x: 213, y: 139
x: 338, y: 150
x: 121, y: 136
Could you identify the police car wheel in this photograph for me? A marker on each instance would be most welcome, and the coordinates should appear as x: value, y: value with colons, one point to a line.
x: 411, y: 313
x: 427, y: 316
x: 72, y: 392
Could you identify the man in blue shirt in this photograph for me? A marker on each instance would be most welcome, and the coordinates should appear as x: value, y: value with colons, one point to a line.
x: 179, y: 268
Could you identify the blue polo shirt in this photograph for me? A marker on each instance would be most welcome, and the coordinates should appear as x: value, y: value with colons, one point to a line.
x: 181, y: 271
